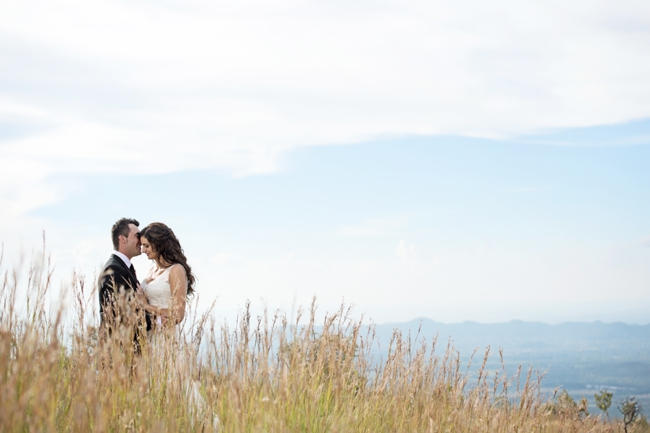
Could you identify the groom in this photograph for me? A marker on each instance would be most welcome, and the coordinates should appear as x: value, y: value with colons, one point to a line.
x: 118, y: 277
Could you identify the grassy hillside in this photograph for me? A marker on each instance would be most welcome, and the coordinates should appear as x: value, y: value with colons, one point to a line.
x: 263, y: 374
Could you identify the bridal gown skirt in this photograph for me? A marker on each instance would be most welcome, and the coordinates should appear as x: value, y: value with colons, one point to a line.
x: 169, y: 359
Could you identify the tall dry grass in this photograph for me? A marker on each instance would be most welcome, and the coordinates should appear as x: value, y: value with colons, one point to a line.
x: 265, y: 374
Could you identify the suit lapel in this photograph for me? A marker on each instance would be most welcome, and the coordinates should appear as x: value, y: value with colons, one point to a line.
x: 132, y: 277
x: 120, y: 262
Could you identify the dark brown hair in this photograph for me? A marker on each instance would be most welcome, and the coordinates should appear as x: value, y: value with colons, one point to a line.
x: 121, y: 227
x: 164, y: 242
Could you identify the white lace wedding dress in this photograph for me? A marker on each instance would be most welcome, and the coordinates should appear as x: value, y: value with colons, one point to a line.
x: 157, y: 289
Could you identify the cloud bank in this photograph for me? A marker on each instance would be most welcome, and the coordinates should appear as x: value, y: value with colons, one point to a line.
x: 151, y: 87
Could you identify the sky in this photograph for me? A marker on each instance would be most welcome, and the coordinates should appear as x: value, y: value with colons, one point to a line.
x: 451, y: 160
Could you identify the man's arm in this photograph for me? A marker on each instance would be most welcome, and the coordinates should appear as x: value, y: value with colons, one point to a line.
x: 112, y: 283
x: 107, y: 286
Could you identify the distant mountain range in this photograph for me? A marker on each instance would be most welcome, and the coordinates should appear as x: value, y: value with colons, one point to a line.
x: 579, y: 357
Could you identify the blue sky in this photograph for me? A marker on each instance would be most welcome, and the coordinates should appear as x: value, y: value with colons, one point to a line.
x: 419, y: 161
x: 406, y: 218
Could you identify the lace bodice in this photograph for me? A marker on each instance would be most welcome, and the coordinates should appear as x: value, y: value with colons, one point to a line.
x: 157, y: 289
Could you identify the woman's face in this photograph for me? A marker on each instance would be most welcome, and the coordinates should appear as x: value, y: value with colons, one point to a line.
x: 148, y: 249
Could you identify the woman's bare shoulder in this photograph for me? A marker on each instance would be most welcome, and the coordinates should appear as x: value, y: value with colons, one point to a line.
x: 177, y: 269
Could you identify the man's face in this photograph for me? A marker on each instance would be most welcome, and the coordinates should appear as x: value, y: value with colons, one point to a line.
x: 130, y: 245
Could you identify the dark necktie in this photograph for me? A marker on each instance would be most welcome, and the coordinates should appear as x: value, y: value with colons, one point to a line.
x: 132, y: 269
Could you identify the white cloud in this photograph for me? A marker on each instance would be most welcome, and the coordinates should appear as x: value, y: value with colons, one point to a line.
x: 406, y: 252
x: 374, y: 227
x: 210, y: 84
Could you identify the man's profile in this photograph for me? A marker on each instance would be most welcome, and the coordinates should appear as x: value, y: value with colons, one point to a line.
x: 118, y: 279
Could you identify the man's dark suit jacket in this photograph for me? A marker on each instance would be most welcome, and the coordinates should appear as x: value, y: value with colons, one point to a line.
x: 115, y: 277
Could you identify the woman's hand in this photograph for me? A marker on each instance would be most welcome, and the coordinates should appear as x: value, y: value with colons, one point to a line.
x: 140, y: 297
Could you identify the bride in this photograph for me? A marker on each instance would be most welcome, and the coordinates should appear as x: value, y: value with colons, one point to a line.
x: 163, y: 296
x: 170, y: 281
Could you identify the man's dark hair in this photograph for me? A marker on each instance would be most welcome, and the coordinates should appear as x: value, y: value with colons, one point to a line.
x: 121, y: 227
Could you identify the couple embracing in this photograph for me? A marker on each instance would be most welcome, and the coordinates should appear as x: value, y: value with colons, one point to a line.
x: 158, y: 301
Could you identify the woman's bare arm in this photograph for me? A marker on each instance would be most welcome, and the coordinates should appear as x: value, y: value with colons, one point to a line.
x: 178, y: 286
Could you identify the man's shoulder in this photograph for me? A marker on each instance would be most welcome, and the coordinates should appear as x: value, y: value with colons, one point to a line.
x: 115, y: 273
x: 113, y: 264
x: 113, y: 261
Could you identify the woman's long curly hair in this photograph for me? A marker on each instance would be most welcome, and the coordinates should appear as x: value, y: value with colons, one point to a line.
x: 166, y: 245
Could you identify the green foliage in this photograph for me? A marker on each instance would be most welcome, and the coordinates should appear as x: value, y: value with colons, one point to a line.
x: 631, y: 410
x: 563, y: 405
x: 603, y: 400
